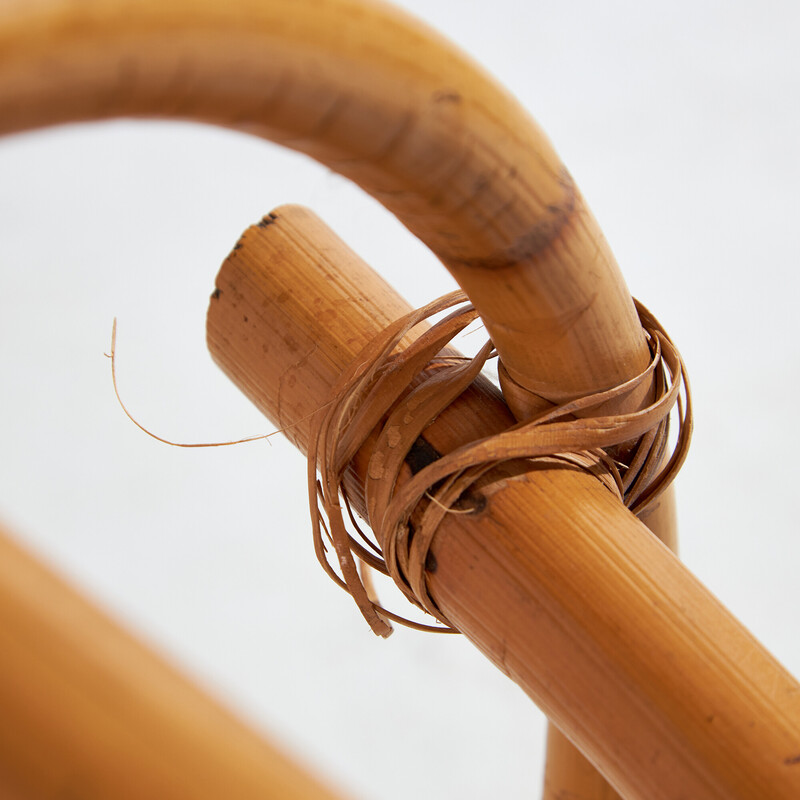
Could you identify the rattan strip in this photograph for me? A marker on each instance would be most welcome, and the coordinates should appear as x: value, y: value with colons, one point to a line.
x: 374, y: 391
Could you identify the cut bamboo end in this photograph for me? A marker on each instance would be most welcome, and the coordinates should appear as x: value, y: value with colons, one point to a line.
x: 560, y: 586
x: 311, y: 335
x: 88, y: 711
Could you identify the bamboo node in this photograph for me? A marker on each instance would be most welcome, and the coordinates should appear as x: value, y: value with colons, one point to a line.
x: 373, y: 394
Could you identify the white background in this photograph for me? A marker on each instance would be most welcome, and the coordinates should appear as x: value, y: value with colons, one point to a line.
x: 679, y: 121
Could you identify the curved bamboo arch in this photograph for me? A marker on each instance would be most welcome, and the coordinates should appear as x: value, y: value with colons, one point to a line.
x: 385, y: 101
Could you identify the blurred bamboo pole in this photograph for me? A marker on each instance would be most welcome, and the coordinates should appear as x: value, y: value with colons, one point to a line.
x: 88, y: 711
x: 559, y: 585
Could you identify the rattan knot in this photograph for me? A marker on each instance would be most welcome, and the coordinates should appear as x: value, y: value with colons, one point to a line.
x: 373, y: 394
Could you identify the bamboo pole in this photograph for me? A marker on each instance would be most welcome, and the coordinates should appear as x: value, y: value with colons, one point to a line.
x: 87, y: 711
x: 561, y: 587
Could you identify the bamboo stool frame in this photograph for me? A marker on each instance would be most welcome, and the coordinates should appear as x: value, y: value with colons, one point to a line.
x: 466, y: 257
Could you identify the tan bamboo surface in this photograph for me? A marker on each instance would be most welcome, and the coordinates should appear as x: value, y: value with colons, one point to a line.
x: 560, y: 586
x: 88, y: 711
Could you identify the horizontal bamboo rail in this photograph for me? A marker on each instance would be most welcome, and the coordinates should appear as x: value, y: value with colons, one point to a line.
x: 560, y: 586
x: 88, y: 711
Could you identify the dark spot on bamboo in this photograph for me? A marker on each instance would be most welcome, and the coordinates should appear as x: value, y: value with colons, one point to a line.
x: 421, y: 454
x: 267, y: 220
x: 290, y: 342
x: 216, y: 294
x: 481, y: 183
x: 447, y: 96
x: 539, y: 237
x: 431, y: 564
x: 792, y: 761
x: 471, y: 501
